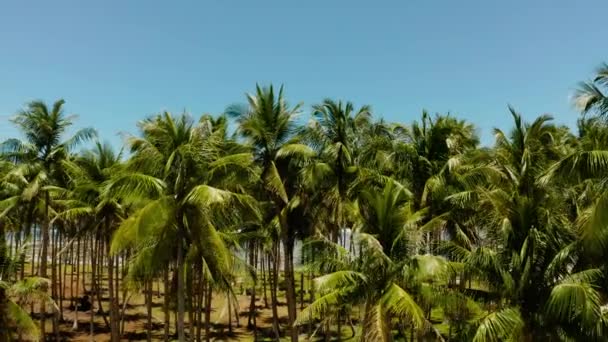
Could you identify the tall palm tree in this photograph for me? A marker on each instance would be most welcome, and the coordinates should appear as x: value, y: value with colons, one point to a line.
x: 543, y: 294
x: 43, y: 148
x: 268, y: 124
x: 88, y: 174
x: 14, y: 320
x: 177, y: 178
x: 333, y: 133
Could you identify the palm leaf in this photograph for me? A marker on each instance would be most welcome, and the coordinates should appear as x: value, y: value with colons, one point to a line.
x: 503, y: 325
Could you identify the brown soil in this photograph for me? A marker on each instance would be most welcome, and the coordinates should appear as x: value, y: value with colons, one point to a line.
x: 136, y: 318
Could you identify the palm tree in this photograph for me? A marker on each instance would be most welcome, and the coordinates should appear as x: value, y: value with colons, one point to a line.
x: 590, y: 97
x: 268, y: 124
x: 88, y: 175
x: 14, y: 320
x: 428, y: 156
x: 177, y: 180
x: 523, y: 259
x: 381, y: 274
x: 332, y: 133
x: 43, y: 149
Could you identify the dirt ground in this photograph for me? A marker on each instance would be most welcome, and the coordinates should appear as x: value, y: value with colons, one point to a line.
x: 136, y: 318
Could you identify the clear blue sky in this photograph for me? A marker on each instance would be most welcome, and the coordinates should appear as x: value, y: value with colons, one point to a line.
x: 115, y: 62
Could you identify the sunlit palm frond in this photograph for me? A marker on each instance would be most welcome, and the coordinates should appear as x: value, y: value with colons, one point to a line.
x: 401, y: 304
x: 503, y: 325
x: 576, y: 298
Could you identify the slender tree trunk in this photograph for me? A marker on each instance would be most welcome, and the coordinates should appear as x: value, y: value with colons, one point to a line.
x: 166, y: 302
x: 43, y: 263
x: 263, y: 263
x: 93, y: 287
x: 65, y: 275
x: 75, y: 325
x: 54, y: 282
x: 33, y: 235
x: 181, y: 335
x: 149, y: 309
x: 200, y: 301
x: 252, y: 313
x: 290, y: 287
x: 312, y: 297
x: 98, y: 275
x: 190, y: 290
x: 28, y: 233
x: 273, y: 290
x: 301, y: 291
x: 84, y: 263
x: 114, y: 334
x: 208, y: 312
x: 229, y: 314
x: 125, y: 301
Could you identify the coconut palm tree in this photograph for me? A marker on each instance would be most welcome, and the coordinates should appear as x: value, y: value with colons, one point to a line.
x: 528, y: 232
x: 44, y: 129
x: 381, y: 275
x: 182, y: 185
x: 14, y: 320
x: 268, y: 125
x: 89, y: 173
x: 332, y: 134
x: 590, y: 97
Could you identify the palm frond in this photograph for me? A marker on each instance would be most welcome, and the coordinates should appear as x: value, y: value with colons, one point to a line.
x: 503, y: 325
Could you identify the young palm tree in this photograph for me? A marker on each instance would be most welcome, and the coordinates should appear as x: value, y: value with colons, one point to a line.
x: 380, y: 275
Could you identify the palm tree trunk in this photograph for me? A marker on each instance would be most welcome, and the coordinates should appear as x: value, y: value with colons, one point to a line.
x: 33, y: 268
x: 229, y: 314
x: 125, y: 301
x: 65, y: 277
x: 28, y: 233
x: 93, y: 288
x: 263, y: 263
x: 252, y: 313
x: 208, y: 312
x: 75, y: 325
x: 200, y: 301
x: 166, y: 302
x: 114, y: 336
x: 98, y: 278
x: 84, y: 264
x: 274, y: 280
x: 149, y: 309
x: 43, y: 260
x: 181, y: 308
x: 54, y: 282
x: 290, y: 287
x: 191, y: 308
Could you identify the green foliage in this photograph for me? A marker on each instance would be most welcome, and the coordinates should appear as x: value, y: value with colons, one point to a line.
x: 411, y: 228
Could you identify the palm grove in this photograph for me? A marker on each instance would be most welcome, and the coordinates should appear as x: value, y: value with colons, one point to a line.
x: 402, y: 232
